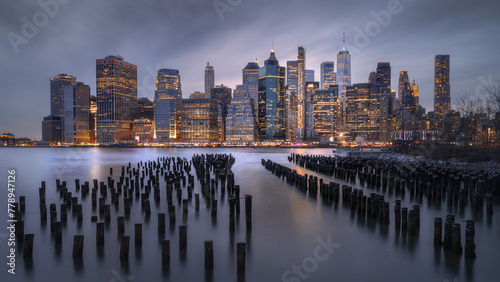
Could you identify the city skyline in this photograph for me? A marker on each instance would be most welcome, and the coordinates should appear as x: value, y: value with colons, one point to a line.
x: 187, y: 45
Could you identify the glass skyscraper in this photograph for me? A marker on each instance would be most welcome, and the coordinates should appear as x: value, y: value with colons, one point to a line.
x: 327, y: 78
x: 209, y: 79
x: 272, y: 101
x: 362, y: 111
x: 168, y: 98
x: 240, y: 119
x: 116, y: 99
x: 441, y: 87
x: 384, y: 86
x: 222, y: 94
x: 309, y: 75
x: 200, y: 120
x: 76, y: 129
x: 343, y: 79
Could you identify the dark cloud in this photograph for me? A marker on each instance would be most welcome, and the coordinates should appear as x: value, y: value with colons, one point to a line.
x: 185, y: 34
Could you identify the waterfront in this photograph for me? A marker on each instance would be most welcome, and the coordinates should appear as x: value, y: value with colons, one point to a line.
x: 288, y: 227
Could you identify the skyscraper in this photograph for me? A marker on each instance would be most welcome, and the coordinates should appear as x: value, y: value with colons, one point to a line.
x: 209, y: 79
x: 52, y: 125
x: 272, y: 104
x: 145, y: 108
x: 343, y: 77
x: 168, y: 98
x: 116, y: 99
x: 240, y: 120
x: 326, y: 111
x: 76, y: 129
x: 372, y: 78
x: 384, y: 87
x: 292, y: 83
x: 251, y: 86
x: 222, y: 94
x: 309, y: 130
x: 301, y: 92
x: 309, y: 75
x: 327, y: 78
x: 441, y: 88
x: 363, y: 112
x: 402, y: 87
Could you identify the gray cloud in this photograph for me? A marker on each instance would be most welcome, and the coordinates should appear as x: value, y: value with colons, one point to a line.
x: 185, y: 34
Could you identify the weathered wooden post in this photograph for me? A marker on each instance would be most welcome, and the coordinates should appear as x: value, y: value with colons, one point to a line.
x: 28, y: 245
x: 78, y: 246
x: 197, y: 202
x: 138, y: 234
x: 161, y: 223
x: 124, y: 248
x: 448, y: 223
x: 100, y: 233
x: 240, y: 256
x: 438, y: 231
x: 209, y: 254
x: 470, y: 246
x: 404, y: 215
x: 214, y: 209
x: 232, y: 203
x: 121, y: 224
x: 165, y: 252
x: 171, y: 214
x: 456, y: 239
x: 248, y: 211
x: 58, y: 232
x: 183, y: 236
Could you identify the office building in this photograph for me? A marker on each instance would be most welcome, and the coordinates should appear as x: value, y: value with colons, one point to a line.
x: 209, y: 79
x: 272, y: 101
x: 326, y: 108
x: 343, y: 78
x: 76, y: 126
x: 222, y: 94
x: 240, y: 127
x: 200, y: 120
x: 168, y: 97
x: 328, y: 75
x: 362, y: 111
x: 143, y: 130
x: 309, y: 75
x: 116, y: 82
x: 386, y: 99
x: 441, y: 88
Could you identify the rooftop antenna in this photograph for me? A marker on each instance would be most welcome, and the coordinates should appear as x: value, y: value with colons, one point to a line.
x: 272, y: 42
x: 343, y: 40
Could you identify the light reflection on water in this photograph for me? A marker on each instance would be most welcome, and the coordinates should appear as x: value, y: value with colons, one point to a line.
x: 287, y: 225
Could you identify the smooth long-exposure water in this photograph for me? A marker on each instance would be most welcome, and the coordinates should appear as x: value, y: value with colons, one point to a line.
x: 295, y: 237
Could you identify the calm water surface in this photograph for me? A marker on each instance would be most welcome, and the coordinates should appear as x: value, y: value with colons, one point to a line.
x: 288, y: 228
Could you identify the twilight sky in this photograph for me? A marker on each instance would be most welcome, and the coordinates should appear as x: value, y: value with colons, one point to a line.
x: 69, y: 35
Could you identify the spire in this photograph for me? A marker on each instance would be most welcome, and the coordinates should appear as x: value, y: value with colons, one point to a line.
x: 208, y: 64
x: 343, y: 40
x: 256, y: 61
x: 272, y: 44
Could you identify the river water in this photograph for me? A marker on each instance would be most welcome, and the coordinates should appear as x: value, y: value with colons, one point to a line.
x: 295, y: 237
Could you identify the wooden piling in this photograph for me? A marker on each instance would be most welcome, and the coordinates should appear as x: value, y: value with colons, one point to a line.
x: 78, y: 246
x: 240, y: 256
x: 248, y: 211
x: 165, y: 252
x: 120, y: 222
x: 209, y: 254
x: 28, y: 245
x: 124, y: 248
x: 456, y: 239
x: 138, y: 234
x: 182, y: 236
x: 438, y: 231
x: 58, y: 232
x: 100, y: 233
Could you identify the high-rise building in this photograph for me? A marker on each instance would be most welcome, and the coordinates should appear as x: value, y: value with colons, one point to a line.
x: 251, y: 85
x: 222, y: 94
x: 328, y: 76
x: 116, y: 99
x: 343, y: 78
x: 326, y: 112
x: 52, y: 125
x: 145, y: 108
x: 372, y: 78
x: 363, y: 113
x: 93, y: 119
x: 309, y: 130
x: 441, y: 88
x: 209, y: 79
x: 272, y: 101
x: 240, y: 125
x: 301, y: 93
x: 402, y: 86
x: 309, y: 75
x: 168, y: 99
x: 76, y: 126
x: 384, y: 87
x: 292, y: 83
x: 200, y: 120
x: 415, y: 103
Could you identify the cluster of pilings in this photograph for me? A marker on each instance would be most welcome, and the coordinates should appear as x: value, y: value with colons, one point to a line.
x: 143, y: 182
x: 460, y: 186
x: 452, y: 238
x: 373, y: 206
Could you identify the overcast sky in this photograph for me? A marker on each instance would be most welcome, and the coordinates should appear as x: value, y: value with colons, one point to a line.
x: 186, y: 34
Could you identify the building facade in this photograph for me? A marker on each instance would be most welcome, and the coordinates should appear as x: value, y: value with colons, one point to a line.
x: 143, y: 130
x: 168, y: 99
x: 363, y: 113
x: 328, y: 75
x: 272, y: 101
x: 326, y: 107
x: 222, y: 94
x: 209, y: 79
x: 441, y: 88
x: 240, y: 127
x: 199, y: 120
x: 76, y: 129
x: 386, y: 100
x: 116, y: 82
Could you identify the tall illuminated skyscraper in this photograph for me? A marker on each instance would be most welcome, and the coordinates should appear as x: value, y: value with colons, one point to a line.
x: 76, y: 129
x: 363, y: 111
x: 441, y: 87
x: 309, y: 75
x: 200, y: 120
x: 272, y: 101
x: 209, y: 79
x: 343, y: 77
x: 222, y: 94
x: 251, y: 86
x: 116, y: 99
x: 292, y: 100
x: 168, y: 99
x: 328, y: 76
x: 403, y: 80
x: 240, y: 121
x: 384, y: 86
